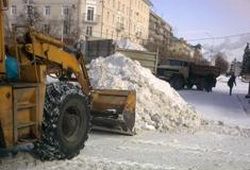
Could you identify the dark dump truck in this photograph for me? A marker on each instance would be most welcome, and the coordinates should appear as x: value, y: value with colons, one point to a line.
x: 181, y: 73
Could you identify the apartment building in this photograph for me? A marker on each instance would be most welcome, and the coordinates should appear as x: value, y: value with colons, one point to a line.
x: 117, y: 19
x: 180, y: 48
x: 160, y: 35
x: 60, y: 18
x: 114, y: 19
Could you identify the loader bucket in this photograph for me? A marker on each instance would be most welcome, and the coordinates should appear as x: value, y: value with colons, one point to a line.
x: 113, y: 111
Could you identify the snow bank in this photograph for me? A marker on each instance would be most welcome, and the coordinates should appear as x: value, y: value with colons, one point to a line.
x: 222, y: 78
x: 127, y: 44
x: 158, y: 105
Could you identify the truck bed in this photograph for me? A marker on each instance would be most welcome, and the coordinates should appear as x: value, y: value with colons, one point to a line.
x: 204, y: 70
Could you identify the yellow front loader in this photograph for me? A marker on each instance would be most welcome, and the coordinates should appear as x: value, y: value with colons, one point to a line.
x: 55, y: 117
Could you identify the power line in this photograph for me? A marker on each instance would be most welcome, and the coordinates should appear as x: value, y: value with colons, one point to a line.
x: 221, y: 37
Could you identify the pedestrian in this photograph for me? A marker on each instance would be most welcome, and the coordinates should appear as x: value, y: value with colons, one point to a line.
x: 231, y: 82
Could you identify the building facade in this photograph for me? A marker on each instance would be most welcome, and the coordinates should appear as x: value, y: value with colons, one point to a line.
x: 114, y: 19
x: 117, y: 19
x: 160, y: 35
x: 61, y: 18
x: 180, y: 48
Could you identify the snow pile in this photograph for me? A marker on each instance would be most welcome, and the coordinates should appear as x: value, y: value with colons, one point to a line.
x: 158, y: 105
x: 127, y: 44
x: 222, y: 78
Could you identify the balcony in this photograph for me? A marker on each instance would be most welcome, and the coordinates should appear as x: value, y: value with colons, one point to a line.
x: 91, y: 19
x: 120, y: 26
x: 138, y: 34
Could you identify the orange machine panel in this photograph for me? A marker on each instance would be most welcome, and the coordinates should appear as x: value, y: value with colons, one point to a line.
x: 6, y: 114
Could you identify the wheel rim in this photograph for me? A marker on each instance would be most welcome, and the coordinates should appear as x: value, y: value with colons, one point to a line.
x: 71, y: 124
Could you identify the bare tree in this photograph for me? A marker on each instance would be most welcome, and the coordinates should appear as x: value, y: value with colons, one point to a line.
x: 64, y: 27
x: 31, y: 16
x: 221, y: 62
x: 70, y: 29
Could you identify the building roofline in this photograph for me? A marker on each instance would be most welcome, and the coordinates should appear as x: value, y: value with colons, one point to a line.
x: 148, y: 2
x: 159, y: 17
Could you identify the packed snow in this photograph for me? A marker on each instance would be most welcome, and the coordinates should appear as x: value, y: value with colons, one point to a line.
x: 158, y: 106
x: 219, y: 106
x: 214, y: 146
x: 127, y: 44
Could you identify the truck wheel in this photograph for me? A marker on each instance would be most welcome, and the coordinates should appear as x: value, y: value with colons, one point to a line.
x: 210, y: 82
x: 190, y: 86
x: 177, y: 82
x: 66, y: 122
x: 208, y: 87
x: 200, y: 84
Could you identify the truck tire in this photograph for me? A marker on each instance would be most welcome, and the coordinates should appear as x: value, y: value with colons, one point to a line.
x: 2, y: 141
x: 200, y: 84
x: 66, y: 122
x: 177, y: 82
x: 190, y: 85
x: 210, y: 82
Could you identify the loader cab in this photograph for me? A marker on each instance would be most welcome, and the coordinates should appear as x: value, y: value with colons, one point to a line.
x: 174, y: 71
x: 173, y: 66
x: 179, y: 63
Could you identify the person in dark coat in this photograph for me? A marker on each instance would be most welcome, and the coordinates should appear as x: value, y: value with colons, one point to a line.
x: 231, y: 82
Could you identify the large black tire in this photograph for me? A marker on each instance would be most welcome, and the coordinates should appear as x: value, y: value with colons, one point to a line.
x: 190, y: 86
x: 177, y: 82
x: 200, y: 84
x: 2, y: 141
x: 66, y: 122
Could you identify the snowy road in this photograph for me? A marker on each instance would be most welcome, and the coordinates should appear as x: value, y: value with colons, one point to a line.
x: 219, y: 106
x: 211, y: 148
x: 203, y: 150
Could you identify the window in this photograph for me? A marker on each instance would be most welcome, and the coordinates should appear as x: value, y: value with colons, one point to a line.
x: 13, y: 9
x: 90, y: 14
x: 89, y: 30
x: 13, y: 26
x: 47, y: 10
x: 122, y: 20
x: 65, y: 11
x: 30, y: 10
x: 46, y: 28
x: 119, y: 6
x: 123, y: 8
x: 66, y: 28
x: 107, y: 32
x: 108, y: 16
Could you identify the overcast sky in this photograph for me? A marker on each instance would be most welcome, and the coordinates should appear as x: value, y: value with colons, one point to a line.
x: 194, y: 19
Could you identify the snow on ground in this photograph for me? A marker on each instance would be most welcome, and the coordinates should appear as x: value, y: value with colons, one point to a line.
x: 127, y: 44
x: 215, y: 146
x: 218, y: 148
x: 219, y: 106
x: 149, y: 150
x: 158, y: 106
